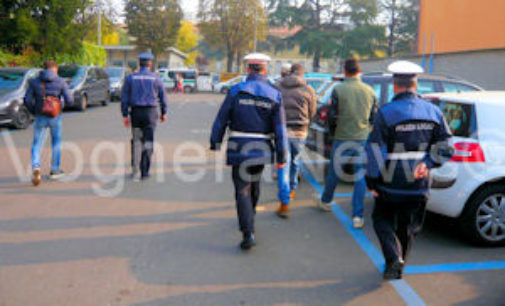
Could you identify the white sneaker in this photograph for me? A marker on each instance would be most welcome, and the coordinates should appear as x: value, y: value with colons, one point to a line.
x: 358, y: 222
x: 136, y: 177
x: 327, y: 207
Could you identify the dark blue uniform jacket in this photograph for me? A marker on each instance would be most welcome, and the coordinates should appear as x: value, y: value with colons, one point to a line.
x: 252, y: 111
x: 406, y: 132
x: 55, y: 86
x: 143, y: 89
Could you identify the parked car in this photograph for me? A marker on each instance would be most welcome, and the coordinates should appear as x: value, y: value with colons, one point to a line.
x: 315, y: 80
x: 224, y: 87
x: 117, y: 76
x: 189, y: 77
x: 382, y: 83
x: 471, y: 187
x: 13, y: 86
x: 89, y: 85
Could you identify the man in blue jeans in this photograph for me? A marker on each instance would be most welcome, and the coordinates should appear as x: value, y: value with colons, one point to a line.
x: 353, y: 105
x: 299, y: 102
x: 46, y: 84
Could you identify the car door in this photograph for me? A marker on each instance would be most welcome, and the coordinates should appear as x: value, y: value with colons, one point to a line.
x: 90, y: 86
x: 103, y: 84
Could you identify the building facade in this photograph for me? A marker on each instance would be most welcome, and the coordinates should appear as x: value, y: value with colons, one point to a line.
x: 461, y: 25
x: 126, y: 56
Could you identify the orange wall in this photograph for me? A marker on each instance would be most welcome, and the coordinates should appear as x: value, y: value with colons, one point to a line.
x: 462, y: 24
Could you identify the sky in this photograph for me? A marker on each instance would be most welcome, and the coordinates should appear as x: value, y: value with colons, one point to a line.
x: 190, y: 7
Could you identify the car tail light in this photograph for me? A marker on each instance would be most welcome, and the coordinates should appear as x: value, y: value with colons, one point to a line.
x: 468, y: 152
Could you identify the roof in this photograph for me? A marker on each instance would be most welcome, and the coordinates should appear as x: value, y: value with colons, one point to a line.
x: 133, y: 48
x: 471, y: 97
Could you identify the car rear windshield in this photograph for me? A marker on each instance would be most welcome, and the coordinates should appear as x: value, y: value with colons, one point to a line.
x: 71, y: 72
x: 11, y: 79
x: 460, y: 117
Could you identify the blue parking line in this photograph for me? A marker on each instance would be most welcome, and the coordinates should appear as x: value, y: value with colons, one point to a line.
x: 401, y: 286
x: 455, y: 267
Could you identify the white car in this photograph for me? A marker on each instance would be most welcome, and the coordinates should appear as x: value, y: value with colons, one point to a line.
x: 223, y: 87
x: 471, y: 187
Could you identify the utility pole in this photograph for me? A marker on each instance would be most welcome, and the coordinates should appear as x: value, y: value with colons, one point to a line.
x: 255, y: 27
x: 392, y: 28
x: 99, y: 27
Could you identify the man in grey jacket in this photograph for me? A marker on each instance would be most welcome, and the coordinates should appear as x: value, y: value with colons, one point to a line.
x: 299, y: 102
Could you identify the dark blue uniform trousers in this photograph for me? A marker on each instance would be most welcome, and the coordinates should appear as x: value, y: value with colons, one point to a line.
x: 246, y: 180
x: 396, y: 224
x: 143, y: 120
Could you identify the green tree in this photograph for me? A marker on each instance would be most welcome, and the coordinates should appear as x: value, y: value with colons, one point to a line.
x: 46, y: 25
x: 403, y: 16
x: 322, y: 22
x: 232, y: 24
x: 365, y: 37
x: 153, y: 23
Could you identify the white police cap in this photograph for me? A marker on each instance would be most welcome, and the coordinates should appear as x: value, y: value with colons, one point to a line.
x: 405, y: 68
x: 257, y: 58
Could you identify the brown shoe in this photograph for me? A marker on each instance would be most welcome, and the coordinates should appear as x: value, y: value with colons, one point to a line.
x: 36, y: 178
x: 283, y: 211
x: 292, y: 194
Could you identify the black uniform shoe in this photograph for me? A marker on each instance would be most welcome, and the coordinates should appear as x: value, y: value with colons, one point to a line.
x: 248, y: 242
x: 394, y: 270
x: 56, y: 175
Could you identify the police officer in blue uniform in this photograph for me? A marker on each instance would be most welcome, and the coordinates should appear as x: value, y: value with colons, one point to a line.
x: 141, y: 94
x: 252, y: 111
x: 409, y: 138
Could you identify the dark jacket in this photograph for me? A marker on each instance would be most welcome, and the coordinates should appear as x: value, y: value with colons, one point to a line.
x: 55, y: 86
x: 406, y: 132
x: 143, y: 89
x: 299, y: 102
x: 252, y: 110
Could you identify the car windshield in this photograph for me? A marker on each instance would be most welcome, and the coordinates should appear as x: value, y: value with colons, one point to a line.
x: 11, y: 79
x: 114, y: 73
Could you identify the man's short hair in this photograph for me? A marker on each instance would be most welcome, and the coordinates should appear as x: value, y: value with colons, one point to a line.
x: 297, y: 69
x: 257, y: 68
x: 144, y: 62
x: 405, y: 80
x: 50, y: 64
x: 351, y: 65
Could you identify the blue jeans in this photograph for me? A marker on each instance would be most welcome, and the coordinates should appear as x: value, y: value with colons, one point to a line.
x: 352, y: 152
x: 287, y: 177
x: 39, y: 131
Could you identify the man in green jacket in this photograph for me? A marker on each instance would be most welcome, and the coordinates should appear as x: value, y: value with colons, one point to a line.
x: 353, y: 104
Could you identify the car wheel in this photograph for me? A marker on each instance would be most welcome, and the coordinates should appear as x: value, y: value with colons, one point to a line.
x: 107, y: 99
x: 224, y: 90
x: 483, y: 220
x: 188, y: 89
x: 22, y: 119
x: 84, y: 103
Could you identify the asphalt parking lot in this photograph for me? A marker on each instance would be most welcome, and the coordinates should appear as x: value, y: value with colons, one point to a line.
x: 100, y: 239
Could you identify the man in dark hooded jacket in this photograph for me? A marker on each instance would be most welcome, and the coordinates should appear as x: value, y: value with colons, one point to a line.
x: 47, y: 84
x: 299, y: 102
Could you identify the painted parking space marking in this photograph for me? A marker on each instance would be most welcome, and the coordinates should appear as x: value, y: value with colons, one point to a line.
x: 401, y: 286
x: 455, y: 267
x: 414, y: 269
